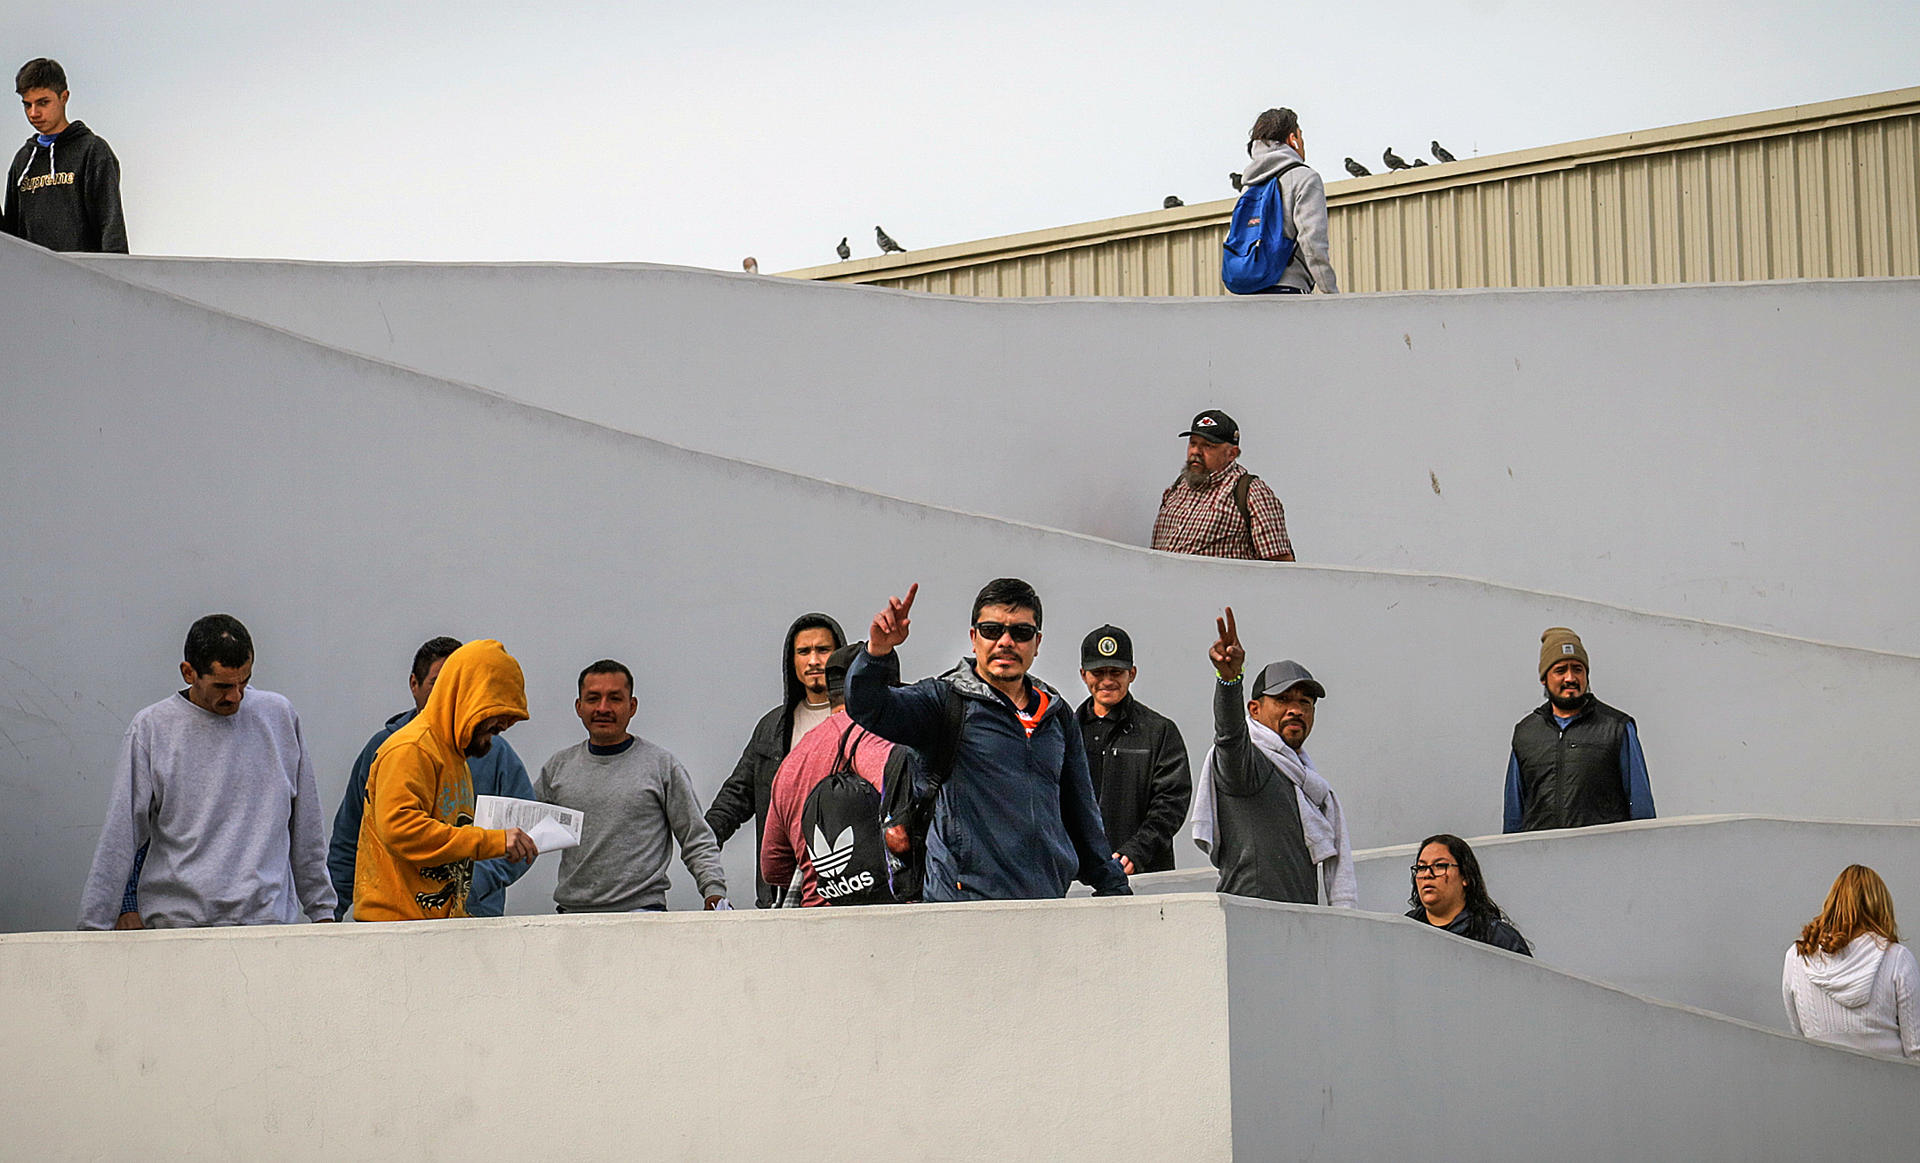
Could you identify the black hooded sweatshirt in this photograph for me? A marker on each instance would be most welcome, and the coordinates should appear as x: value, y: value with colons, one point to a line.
x: 749, y: 789
x: 66, y: 196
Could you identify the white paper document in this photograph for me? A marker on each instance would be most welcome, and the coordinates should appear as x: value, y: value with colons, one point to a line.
x: 550, y: 826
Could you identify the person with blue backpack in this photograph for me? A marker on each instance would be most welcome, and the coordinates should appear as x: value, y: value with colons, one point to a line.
x: 1277, y: 242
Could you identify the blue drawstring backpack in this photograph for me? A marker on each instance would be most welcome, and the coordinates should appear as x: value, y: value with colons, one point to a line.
x: 1257, y: 249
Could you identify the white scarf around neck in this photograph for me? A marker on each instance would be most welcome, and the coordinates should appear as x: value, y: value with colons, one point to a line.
x: 1322, y: 824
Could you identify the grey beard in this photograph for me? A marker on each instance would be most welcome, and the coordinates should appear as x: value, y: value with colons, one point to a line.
x: 1194, y: 478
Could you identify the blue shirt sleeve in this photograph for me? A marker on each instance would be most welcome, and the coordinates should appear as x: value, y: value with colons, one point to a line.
x: 130, y: 897
x: 491, y: 876
x: 1633, y: 777
x: 343, y: 848
x: 1511, y: 822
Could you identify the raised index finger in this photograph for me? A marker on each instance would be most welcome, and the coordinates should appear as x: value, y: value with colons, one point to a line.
x: 1233, y: 631
x: 906, y: 603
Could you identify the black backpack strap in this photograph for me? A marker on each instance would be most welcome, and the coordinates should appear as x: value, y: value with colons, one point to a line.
x: 1241, y: 488
x: 946, y: 752
x: 843, y: 756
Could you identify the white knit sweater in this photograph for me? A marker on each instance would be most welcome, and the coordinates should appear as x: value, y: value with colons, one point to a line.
x: 1863, y: 996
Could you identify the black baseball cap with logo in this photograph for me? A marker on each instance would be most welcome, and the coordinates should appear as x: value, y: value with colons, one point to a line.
x: 1215, y: 426
x: 1107, y: 646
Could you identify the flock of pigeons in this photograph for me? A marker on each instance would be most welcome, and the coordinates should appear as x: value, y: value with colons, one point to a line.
x: 1390, y: 159
x: 1394, y: 161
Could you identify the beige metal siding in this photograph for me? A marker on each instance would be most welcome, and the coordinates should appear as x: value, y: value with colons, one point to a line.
x: 1817, y: 191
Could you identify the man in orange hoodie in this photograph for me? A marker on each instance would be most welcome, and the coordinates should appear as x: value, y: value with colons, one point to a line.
x: 417, y: 839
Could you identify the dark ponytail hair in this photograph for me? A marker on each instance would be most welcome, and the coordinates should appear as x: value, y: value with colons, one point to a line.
x: 1273, y: 125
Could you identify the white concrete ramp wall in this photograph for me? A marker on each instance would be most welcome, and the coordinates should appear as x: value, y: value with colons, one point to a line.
x: 1694, y: 911
x: 165, y: 461
x: 1356, y: 1037
x: 1172, y: 1028
x: 1733, y: 453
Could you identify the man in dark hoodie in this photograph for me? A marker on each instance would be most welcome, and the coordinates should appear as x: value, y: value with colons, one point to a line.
x: 63, y: 188
x: 810, y: 641
x: 1015, y: 816
x: 497, y: 773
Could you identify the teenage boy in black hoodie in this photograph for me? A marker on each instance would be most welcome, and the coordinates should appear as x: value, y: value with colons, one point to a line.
x: 811, y: 640
x: 63, y: 188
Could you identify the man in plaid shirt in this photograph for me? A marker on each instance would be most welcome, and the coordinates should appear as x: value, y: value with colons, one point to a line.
x: 1217, y: 508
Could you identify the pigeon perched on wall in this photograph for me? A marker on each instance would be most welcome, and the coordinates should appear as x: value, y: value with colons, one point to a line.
x: 1440, y: 153
x: 1235, y: 179
x: 1418, y: 162
x: 887, y: 245
x: 1358, y: 170
x: 1394, y: 161
x: 1171, y: 202
x: 843, y: 250
x: 750, y: 264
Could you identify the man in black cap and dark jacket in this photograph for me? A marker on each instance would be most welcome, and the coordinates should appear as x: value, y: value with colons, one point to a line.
x: 1136, y: 756
x: 811, y: 640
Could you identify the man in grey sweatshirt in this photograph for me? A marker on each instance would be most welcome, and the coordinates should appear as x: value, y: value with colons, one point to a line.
x: 1275, y: 145
x: 215, y: 784
x: 637, y: 801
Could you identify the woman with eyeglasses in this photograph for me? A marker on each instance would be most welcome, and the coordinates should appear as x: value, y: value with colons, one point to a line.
x: 1449, y: 893
x: 1848, y: 980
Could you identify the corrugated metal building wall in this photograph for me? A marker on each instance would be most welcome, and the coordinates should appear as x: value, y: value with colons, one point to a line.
x: 1814, y: 191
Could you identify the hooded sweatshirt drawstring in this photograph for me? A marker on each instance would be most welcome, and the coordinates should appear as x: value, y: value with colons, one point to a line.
x: 39, y: 140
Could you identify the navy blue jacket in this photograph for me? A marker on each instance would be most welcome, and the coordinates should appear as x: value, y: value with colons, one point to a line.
x: 1017, y: 818
x: 497, y: 773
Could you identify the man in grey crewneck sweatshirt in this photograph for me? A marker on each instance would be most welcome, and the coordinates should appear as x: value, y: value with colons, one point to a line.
x: 637, y: 801
x: 216, y: 783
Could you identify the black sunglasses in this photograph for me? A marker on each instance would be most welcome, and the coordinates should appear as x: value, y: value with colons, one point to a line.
x: 1018, y: 631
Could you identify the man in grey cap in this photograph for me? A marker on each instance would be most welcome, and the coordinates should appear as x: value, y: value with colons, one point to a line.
x: 1261, y: 812
x: 1136, y: 756
x: 1216, y: 508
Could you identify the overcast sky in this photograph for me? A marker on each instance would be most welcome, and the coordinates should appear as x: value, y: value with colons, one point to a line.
x: 699, y: 133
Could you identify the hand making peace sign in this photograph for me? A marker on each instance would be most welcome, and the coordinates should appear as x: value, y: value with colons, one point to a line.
x: 1228, y: 656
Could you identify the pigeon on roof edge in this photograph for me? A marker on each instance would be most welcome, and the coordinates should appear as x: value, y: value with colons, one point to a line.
x: 887, y: 244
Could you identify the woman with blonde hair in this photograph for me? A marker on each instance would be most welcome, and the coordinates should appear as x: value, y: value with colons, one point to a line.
x: 1848, y: 980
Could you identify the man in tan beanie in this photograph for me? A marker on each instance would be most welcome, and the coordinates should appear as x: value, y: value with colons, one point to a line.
x: 1575, y: 761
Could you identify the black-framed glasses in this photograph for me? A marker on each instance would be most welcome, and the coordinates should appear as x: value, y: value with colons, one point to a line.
x: 1437, y: 868
x: 1018, y: 631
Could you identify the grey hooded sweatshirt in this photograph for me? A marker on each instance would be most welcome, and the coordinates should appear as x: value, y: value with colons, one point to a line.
x: 1305, y: 197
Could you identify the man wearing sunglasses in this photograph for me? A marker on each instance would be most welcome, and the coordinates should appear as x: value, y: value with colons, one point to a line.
x: 1014, y: 816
